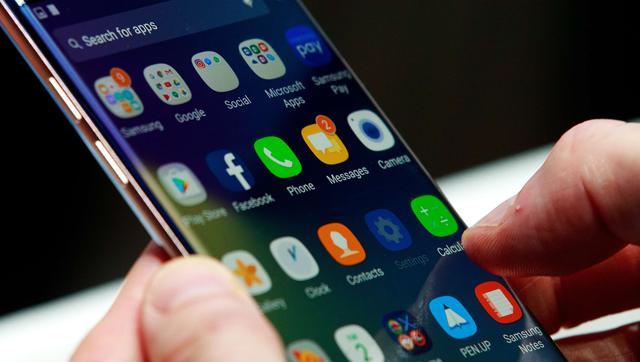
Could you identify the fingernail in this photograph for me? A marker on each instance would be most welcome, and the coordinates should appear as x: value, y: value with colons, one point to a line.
x: 496, y: 217
x: 185, y: 282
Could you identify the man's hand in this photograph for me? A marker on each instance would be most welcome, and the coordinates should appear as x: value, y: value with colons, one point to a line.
x: 188, y: 309
x: 569, y: 242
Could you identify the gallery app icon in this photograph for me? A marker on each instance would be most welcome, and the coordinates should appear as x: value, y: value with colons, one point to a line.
x: 215, y: 71
x: 262, y: 59
x: 357, y: 345
x: 327, y: 147
x: 388, y: 229
x: 230, y: 170
x: 294, y: 258
x: 434, y: 216
x: 278, y: 157
x: 167, y: 84
x: 453, y: 317
x: 181, y: 184
x: 406, y: 331
x: 309, y: 46
x: 248, y: 270
x: 498, y: 302
x: 343, y: 246
x: 306, y: 351
x: 117, y: 95
x: 371, y: 130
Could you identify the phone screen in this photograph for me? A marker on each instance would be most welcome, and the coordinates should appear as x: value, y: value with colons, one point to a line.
x: 259, y: 145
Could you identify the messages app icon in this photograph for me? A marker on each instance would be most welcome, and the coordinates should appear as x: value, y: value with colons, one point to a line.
x: 327, y: 147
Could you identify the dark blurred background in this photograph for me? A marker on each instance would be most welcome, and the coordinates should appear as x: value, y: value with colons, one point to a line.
x: 486, y: 78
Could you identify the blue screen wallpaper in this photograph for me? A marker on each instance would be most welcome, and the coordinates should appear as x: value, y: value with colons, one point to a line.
x: 263, y: 149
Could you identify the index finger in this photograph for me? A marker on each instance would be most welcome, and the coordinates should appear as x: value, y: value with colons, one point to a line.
x: 580, y: 208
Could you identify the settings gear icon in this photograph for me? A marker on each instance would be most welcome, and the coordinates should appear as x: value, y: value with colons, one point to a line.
x: 388, y: 230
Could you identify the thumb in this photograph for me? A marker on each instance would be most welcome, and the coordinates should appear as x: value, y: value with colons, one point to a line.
x: 194, y: 310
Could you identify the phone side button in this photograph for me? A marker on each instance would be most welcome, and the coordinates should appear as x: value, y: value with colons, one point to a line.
x: 65, y: 98
x: 112, y: 163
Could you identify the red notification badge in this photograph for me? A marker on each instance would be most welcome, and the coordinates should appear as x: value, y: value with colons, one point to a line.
x: 121, y: 77
x: 326, y: 124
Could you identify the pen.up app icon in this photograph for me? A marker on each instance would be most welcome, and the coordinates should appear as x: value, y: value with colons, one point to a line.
x: 309, y: 46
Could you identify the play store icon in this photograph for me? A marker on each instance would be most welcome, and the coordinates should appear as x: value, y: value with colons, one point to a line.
x: 181, y: 184
x: 453, y: 317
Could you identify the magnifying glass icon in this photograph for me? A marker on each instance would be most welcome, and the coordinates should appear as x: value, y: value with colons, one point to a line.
x: 74, y: 44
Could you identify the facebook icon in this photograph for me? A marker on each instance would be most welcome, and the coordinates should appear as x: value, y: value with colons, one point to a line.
x: 230, y: 170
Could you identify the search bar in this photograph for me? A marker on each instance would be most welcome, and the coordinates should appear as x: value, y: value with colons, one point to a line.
x: 152, y: 24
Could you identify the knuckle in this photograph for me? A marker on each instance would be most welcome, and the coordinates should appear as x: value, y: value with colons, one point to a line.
x: 589, y: 149
x: 599, y: 160
x: 585, y: 135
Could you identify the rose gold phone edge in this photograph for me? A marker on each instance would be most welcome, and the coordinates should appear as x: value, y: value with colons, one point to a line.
x: 126, y: 184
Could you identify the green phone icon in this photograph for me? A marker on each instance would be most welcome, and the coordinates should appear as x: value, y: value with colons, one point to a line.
x: 278, y: 157
x: 434, y: 216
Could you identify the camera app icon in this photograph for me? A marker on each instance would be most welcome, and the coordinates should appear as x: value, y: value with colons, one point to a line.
x: 371, y: 130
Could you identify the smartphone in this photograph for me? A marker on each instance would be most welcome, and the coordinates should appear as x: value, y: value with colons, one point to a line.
x: 235, y: 129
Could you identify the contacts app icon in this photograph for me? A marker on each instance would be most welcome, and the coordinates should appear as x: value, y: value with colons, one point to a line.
x: 343, y: 246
